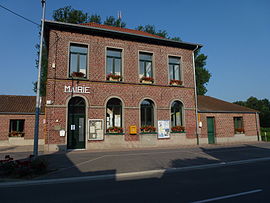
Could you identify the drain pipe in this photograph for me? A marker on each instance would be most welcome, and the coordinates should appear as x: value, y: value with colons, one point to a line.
x: 195, y: 95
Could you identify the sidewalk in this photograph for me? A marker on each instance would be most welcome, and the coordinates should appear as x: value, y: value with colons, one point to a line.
x: 90, y: 163
x: 94, y: 163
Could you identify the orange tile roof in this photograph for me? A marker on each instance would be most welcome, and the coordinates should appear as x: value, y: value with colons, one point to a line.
x: 210, y: 104
x: 19, y: 104
x: 119, y: 29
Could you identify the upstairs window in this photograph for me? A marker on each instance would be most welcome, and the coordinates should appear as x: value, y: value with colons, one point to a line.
x: 174, y: 68
x: 114, y: 64
x: 16, y: 128
x: 146, y: 67
x: 238, y: 125
x: 78, y: 61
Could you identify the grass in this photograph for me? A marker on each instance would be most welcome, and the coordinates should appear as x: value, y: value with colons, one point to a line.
x: 265, y: 134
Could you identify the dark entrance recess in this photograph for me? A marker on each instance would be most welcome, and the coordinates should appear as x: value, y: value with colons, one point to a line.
x: 76, y: 123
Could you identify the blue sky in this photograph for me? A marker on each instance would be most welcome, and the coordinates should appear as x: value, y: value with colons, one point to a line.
x: 235, y: 35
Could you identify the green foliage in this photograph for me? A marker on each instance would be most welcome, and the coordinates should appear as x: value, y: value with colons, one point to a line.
x: 43, y: 75
x: 263, y: 106
x: 112, y: 21
x: 202, y: 74
x: 95, y: 19
x: 70, y: 15
x: 152, y: 30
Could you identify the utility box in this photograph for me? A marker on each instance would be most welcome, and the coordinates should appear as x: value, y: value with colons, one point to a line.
x: 133, y: 130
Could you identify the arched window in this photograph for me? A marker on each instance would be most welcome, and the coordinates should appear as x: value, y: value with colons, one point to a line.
x: 147, y: 113
x: 177, y: 114
x: 114, y: 113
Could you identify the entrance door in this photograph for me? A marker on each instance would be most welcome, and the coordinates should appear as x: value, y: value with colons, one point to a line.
x: 76, y: 123
x: 211, y: 130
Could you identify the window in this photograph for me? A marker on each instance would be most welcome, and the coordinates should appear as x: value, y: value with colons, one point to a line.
x: 176, y: 114
x: 146, y: 69
x: 16, y: 128
x: 174, y: 68
x: 238, y: 125
x: 78, y: 61
x: 147, y: 113
x: 114, y: 113
x: 114, y: 62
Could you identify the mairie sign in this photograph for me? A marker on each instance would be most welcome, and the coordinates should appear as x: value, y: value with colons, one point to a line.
x: 77, y: 89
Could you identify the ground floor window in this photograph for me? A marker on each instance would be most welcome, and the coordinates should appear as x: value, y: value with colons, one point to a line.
x: 147, y: 113
x: 238, y: 125
x: 16, y: 128
x: 176, y: 114
x: 114, y: 113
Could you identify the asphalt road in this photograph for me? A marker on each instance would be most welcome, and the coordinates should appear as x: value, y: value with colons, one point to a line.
x: 233, y: 183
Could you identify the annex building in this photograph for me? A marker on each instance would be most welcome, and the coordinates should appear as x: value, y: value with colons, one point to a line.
x: 114, y: 88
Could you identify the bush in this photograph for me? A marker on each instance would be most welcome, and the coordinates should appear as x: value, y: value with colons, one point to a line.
x: 22, y: 168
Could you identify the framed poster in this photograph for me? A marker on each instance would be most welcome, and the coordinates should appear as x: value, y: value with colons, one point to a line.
x: 96, y: 130
x: 163, y: 129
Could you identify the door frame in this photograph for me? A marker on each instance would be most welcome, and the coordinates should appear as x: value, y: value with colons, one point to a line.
x: 86, y: 119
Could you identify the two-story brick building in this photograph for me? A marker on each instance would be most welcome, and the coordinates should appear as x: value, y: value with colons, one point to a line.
x: 105, y: 82
x: 115, y: 88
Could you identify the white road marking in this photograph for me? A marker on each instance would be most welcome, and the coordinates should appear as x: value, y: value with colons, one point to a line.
x: 228, y: 196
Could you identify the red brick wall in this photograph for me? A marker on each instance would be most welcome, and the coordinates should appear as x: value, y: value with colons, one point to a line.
x: 29, y: 125
x: 130, y: 91
x: 224, y: 124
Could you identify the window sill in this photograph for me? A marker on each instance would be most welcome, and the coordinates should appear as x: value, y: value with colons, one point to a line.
x: 143, y: 133
x: 77, y: 78
x: 178, y: 132
x: 114, y: 133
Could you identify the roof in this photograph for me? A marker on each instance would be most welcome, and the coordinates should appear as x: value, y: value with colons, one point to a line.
x: 213, y: 105
x: 15, y: 104
x: 119, y: 29
x: 117, y: 32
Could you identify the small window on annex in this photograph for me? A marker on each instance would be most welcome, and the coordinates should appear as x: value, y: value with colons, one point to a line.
x: 177, y: 114
x: 16, y: 128
x: 174, y: 68
x: 78, y: 60
x: 147, y: 113
x: 146, y: 67
x: 114, y: 63
x: 114, y: 113
x: 238, y: 125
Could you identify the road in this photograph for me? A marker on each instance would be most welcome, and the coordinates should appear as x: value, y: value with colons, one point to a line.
x: 247, y: 182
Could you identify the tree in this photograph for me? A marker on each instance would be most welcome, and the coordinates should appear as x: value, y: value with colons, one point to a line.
x: 95, y: 19
x: 202, y: 74
x: 112, y: 21
x: 152, y: 30
x: 70, y: 15
x: 263, y: 106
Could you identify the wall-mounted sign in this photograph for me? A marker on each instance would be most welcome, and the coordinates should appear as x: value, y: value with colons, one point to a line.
x: 163, y: 129
x: 96, y: 129
x: 62, y: 133
x: 77, y: 89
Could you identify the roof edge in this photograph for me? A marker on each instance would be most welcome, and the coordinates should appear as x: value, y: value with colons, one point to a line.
x: 196, y: 46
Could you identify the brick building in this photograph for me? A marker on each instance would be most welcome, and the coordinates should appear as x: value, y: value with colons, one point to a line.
x: 112, y: 88
x: 17, y: 120
x: 223, y: 122
x: 123, y: 78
